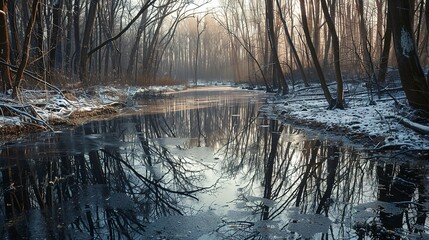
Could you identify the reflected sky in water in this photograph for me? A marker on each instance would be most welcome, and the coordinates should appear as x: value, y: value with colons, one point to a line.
x: 205, y: 165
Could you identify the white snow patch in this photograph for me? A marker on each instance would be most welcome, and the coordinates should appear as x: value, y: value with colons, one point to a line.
x: 407, y: 44
x: 9, y: 120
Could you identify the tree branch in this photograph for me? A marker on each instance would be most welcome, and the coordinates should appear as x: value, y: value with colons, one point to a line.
x: 144, y: 8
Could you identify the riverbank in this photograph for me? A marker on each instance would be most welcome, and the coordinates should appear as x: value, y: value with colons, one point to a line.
x: 49, y: 110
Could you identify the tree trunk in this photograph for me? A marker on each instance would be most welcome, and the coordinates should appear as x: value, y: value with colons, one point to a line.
x: 134, y: 49
x: 83, y: 69
x: 38, y: 47
x: 412, y: 76
x: 4, y: 48
x: 291, y: 45
x: 278, y: 72
x: 26, y: 48
x: 14, y: 43
x: 367, y: 59
x: 384, y: 58
x: 328, y: 97
x: 68, y: 46
x: 427, y: 14
x: 336, y: 48
x: 378, y: 41
x: 56, y: 28
x: 76, y: 27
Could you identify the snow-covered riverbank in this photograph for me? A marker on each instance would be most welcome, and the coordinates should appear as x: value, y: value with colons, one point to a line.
x: 386, y: 123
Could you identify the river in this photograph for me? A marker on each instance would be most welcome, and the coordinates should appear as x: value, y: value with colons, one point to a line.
x: 205, y: 164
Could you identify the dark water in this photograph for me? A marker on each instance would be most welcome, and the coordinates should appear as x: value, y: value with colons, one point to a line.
x: 206, y: 165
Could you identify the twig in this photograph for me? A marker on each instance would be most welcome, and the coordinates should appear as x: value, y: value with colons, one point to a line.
x: 32, y: 76
x: 19, y: 112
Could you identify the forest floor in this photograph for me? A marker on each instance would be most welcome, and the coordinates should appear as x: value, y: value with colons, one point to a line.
x: 383, y: 123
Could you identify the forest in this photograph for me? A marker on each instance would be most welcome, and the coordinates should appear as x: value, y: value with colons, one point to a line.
x: 275, y: 43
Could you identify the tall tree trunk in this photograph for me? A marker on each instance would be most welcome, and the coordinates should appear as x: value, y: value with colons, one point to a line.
x: 412, y: 77
x: 37, y: 48
x: 328, y: 96
x: 4, y: 48
x: 56, y: 28
x: 83, y: 68
x: 336, y: 48
x: 384, y: 57
x: 292, y: 45
x: 14, y: 43
x: 197, y: 47
x: 134, y: 49
x: 67, y: 63
x: 278, y: 72
x: 367, y: 59
x: 76, y: 27
x: 427, y: 14
x: 380, y: 14
x: 26, y: 48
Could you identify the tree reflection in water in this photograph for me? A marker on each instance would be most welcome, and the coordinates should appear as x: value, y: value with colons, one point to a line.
x: 101, y: 181
x: 310, y: 187
x: 134, y: 177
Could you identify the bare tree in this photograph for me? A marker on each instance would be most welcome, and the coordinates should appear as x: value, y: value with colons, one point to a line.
x: 56, y: 30
x: 4, y: 48
x: 26, y: 48
x: 367, y: 59
x: 328, y: 97
x: 200, y: 31
x: 277, y: 68
x: 83, y: 69
x: 336, y: 48
x: 384, y: 57
x: 292, y: 45
x: 14, y: 42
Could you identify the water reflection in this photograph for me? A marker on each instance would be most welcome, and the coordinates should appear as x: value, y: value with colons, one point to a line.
x: 216, y: 169
x: 298, y: 186
x: 96, y: 188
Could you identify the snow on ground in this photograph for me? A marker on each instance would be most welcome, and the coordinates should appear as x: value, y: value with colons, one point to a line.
x: 53, y: 107
x: 379, y: 123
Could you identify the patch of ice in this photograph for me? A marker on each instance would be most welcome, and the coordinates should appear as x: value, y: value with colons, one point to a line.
x: 238, y: 215
x: 387, y: 207
x: 196, y: 153
x: 265, y: 201
x: 170, y: 141
x: 307, y: 225
x: 183, y: 227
